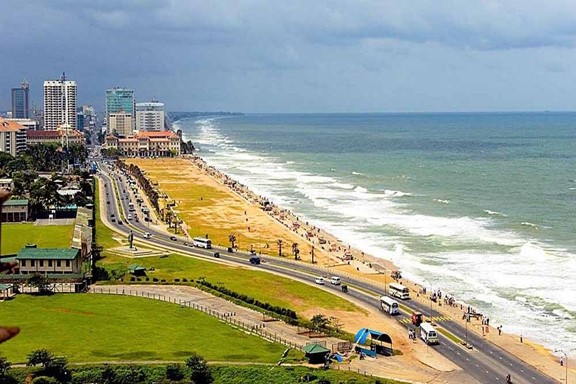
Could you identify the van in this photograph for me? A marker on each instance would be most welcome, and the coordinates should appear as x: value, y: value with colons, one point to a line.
x: 428, y: 334
x: 334, y: 280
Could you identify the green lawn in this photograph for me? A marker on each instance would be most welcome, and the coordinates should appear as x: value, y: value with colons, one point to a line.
x: 16, y: 235
x: 262, y: 286
x: 90, y: 327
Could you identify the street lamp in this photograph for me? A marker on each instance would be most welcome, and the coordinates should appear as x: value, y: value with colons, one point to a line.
x: 565, y: 362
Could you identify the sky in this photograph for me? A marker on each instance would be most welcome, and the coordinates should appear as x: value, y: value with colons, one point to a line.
x: 298, y: 56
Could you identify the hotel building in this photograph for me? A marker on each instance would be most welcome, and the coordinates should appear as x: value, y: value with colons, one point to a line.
x: 150, y: 116
x: 59, y: 103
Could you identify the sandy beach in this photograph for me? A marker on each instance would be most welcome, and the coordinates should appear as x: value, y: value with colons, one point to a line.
x: 211, y: 203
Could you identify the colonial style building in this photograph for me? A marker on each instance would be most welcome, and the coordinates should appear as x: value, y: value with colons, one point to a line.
x: 145, y: 144
x: 62, y: 135
x: 49, y: 261
x: 15, y: 210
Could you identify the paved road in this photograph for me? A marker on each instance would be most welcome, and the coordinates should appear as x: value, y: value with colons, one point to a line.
x: 487, y: 363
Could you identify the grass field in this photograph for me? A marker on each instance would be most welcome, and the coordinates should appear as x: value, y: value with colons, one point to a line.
x: 278, y: 290
x: 17, y: 235
x: 89, y: 328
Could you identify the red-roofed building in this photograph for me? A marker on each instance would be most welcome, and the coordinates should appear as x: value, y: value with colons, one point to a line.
x: 62, y: 136
x: 145, y: 144
x: 12, y: 137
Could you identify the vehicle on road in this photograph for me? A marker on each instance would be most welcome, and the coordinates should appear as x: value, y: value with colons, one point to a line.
x: 254, y: 260
x: 416, y: 318
x: 112, y: 215
x: 113, y: 220
x: 319, y: 280
x: 108, y: 202
x: 344, y: 288
x: 398, y: 290
x: 129, y: 216
x: 173, y: 238
x: 428, y: 333
x: 335, y: 280
x: 147, y: 235
x: 202, y: 242
x: 120, y: 222
x: 389, y: 305
x: 217, y: 255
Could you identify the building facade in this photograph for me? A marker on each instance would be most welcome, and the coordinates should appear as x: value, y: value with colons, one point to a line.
x: 146, y: 144
x: 20, y: 102
x: 12, y: 137
x: 49, y: 260
x: 119, y: 100
x: 15, y: 210
x: 121, y: 123
x: 63, y: 136
x: 150, y: 116
x: 59, y: 103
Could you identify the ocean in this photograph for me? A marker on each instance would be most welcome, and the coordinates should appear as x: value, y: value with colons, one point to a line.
x: 479, y: 205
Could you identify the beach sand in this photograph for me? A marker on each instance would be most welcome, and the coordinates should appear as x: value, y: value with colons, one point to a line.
x: 212, y: 204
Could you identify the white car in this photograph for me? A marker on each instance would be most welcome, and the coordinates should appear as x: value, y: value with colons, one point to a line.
x: 147, y: 235
x: 335, y: 280
x: 319, y: 280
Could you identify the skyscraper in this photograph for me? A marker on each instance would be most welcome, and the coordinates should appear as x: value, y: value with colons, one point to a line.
x: 20, y: 103
x: 59, y: 103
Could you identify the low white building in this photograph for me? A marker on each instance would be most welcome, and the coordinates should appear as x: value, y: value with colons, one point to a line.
x: 145, y: 144
x: 49, y: 260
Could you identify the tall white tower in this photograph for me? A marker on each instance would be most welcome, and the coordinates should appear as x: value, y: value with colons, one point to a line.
x: 59, y: 103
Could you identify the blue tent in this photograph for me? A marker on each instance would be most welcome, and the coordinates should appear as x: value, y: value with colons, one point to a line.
x: 380, y: 343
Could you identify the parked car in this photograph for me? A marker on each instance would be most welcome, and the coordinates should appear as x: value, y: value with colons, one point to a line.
x: 319, y: 280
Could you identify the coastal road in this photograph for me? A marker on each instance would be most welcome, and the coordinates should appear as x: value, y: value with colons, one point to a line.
x: 486, y: 362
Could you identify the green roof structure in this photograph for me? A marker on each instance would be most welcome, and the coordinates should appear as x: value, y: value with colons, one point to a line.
x: 47, y: 254
x: 136, y: 269
x: 15, y: 203
x: 4, y: 287
x: 312, y: 349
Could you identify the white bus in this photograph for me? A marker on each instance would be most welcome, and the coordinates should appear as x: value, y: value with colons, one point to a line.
x: 201, y: 242
x: 398, y: 290
x: 428, y: 334
x: 388, y: 305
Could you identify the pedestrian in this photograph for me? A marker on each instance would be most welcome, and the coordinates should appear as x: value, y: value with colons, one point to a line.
x: 499, y: 330
x: 561, y: 361
x: 521, y: 341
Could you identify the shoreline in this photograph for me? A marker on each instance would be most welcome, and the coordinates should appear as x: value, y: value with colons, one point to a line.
x: 376, y: 269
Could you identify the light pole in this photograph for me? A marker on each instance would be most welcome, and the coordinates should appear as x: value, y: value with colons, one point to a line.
x: 565, y: 362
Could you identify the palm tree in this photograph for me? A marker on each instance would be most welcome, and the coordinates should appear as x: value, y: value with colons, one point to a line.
x: 279, y: 242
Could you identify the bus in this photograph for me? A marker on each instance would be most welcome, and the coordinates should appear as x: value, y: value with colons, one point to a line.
x: 201, y: 242
x: 388, y: 305
x: 428, y: 333
x: 399, y: 291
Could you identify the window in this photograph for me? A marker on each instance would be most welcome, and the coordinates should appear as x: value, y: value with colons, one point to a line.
x: 58, y: 263
x: 49, y: 263
x: 32, y: 264
x: 23, y: 263
x: 67, y: 263
x: 41, y: 263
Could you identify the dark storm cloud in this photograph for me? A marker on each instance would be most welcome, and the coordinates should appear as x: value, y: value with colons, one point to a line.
x: 296, y: 55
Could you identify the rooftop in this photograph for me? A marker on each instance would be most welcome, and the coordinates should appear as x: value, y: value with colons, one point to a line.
x: 15, y: 202
x: 47, y: 254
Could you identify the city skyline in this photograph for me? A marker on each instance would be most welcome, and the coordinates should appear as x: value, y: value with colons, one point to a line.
x: 253, y: 56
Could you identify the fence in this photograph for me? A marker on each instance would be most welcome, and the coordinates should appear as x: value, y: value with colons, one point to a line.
x: 226, y: 317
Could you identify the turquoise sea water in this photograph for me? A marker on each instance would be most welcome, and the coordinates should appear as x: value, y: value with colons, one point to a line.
x: 479, y: 205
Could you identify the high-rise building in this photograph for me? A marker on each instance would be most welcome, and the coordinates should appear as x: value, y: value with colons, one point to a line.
x: 150, y: 116
x: 20, y: 103
x: 119, y: 100
x: 59, y: 103
x: 12, y: 137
